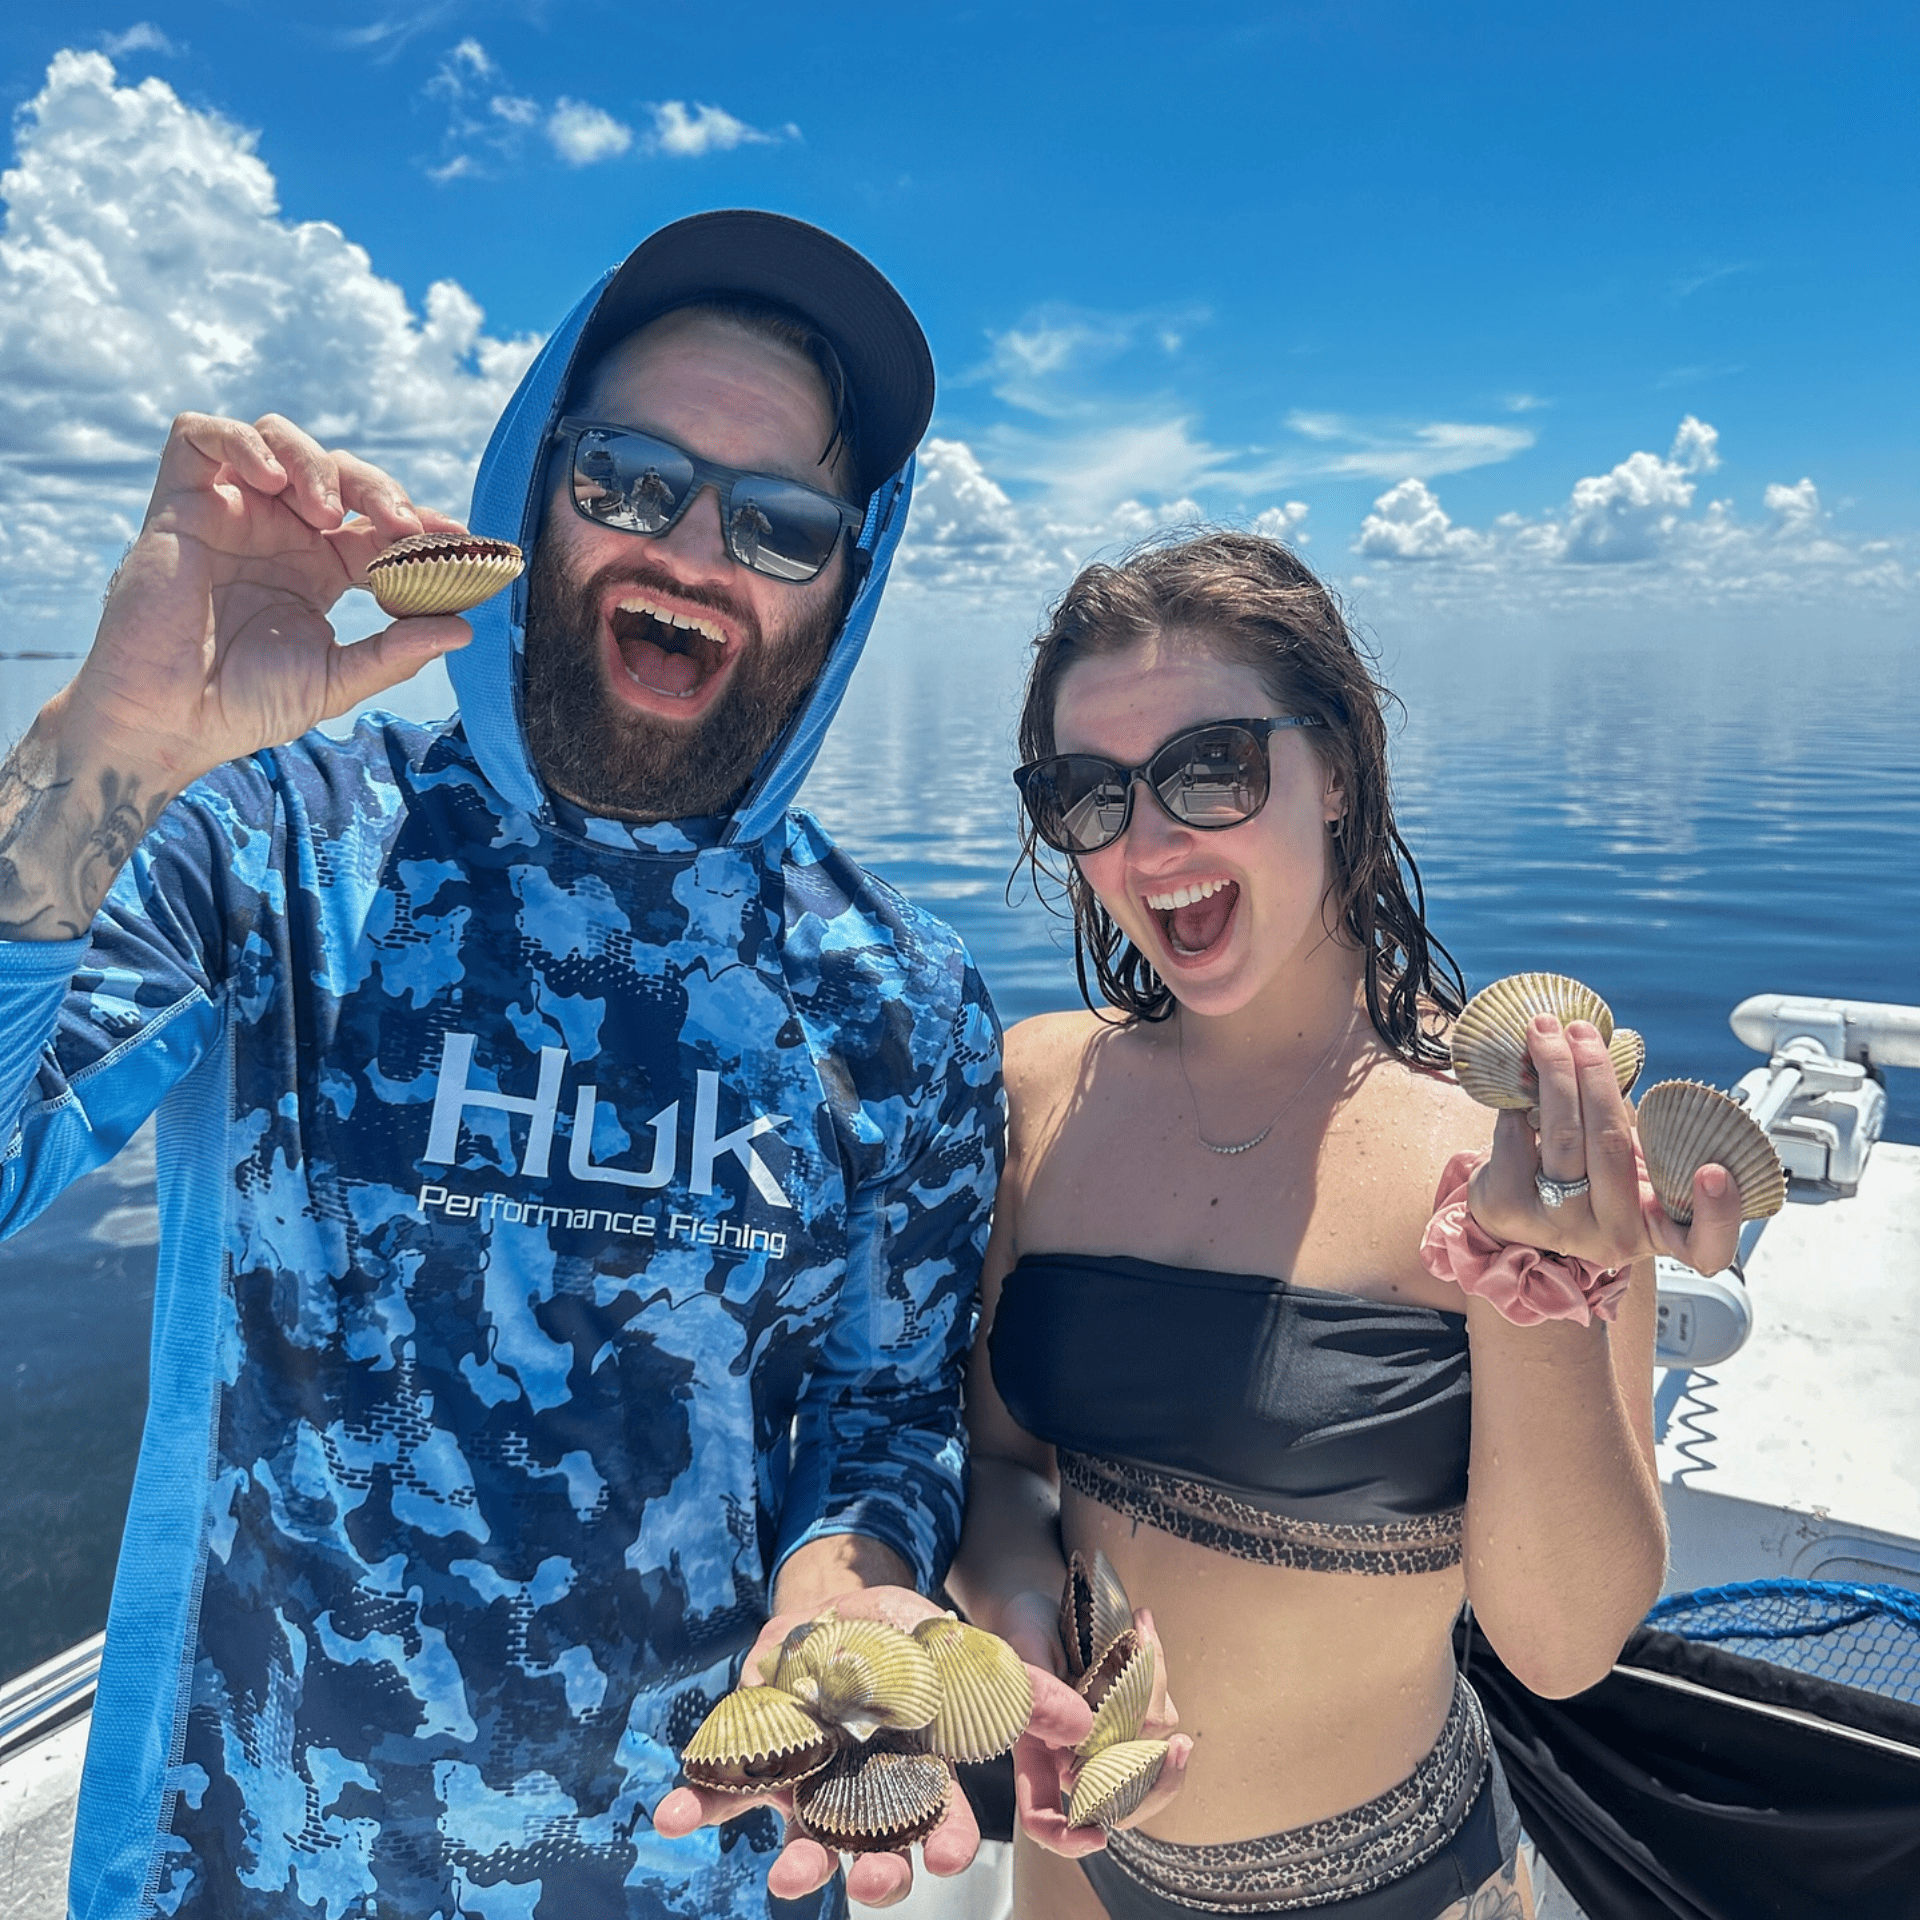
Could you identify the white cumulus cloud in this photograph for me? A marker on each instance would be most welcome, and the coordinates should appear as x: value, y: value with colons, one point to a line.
x: 583, y: 134
x: 145, y: 269
x: 1630, y: 513
x: 1284, y: 522
x: 686, y: 133
x: 1795, y: 510
x: 1409, y: 523
x: 1634, y: 534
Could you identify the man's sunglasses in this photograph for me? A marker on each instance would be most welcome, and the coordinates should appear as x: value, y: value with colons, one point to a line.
x: 1209, y: 777
x: 640, y: 483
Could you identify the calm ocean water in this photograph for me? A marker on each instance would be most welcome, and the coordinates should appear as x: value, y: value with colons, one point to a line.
x: 1683, y: 820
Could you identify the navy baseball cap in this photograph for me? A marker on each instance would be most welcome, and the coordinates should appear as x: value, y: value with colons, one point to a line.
x: 766, y: 256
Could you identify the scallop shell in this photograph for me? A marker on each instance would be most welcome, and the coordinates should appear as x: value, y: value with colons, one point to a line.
x: 859, y: 1674
x: 1114, y: 1782
x: 1094, y: 1612
x: 875, y: 1798
x: 1628, y: 1052
x: 1684, y: 1126
x: 1489, y: 1039
x: 986, y: 1698
x: 757, y: 1739
x: 441, y: 573
x: 1120, y: 1704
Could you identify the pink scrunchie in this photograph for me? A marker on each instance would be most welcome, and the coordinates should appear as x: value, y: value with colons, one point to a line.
x: 1524, y: 1284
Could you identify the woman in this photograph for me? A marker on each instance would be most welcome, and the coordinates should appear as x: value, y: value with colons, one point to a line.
x: 1210, y: 1347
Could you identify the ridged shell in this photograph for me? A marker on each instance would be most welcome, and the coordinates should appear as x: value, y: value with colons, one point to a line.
x: 441, y: 573
x: 1093, y: 1612
x: 1684, y: 1126
x: 986, y: 1698
x: 1628, y: 1052
x: 1114, y: 1782
x: 1489, y: 1040
x: 860, y: 1674
x: 756, y: 1739
x: 875, y: 1798
x: 1119, y: 1692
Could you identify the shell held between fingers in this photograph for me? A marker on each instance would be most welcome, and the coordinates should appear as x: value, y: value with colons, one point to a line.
x: 1114, y: 1783
x: 1685, y: 1126
x: 1489, y: 1039
x: 431, y: 573
x: 1120, y: 1704
x: 1093, y: 1613
x: 1111, y: 1664
x: 1628, y: 1052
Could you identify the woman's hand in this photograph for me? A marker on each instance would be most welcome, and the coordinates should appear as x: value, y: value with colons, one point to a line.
x: 1044, y: 1765
x: 1586, y: 1132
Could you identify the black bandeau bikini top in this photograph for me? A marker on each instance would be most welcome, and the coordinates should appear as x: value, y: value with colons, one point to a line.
x: 1240, y: 1396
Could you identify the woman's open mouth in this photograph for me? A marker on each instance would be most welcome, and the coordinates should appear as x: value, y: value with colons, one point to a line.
x: 1194, y: 918
x: 666, y: 652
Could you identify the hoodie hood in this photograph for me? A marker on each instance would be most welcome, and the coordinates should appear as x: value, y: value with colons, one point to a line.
x: 487, y: 674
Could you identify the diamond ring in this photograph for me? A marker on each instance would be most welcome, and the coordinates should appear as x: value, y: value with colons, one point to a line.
x: 1556, y: 1193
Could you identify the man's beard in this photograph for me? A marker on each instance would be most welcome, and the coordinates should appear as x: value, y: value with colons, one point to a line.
x: 614, y: 761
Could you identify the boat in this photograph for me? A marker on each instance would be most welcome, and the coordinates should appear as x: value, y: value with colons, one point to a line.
x: 1787, y: 1449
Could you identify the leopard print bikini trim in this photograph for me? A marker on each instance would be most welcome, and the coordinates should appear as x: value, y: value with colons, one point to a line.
x: 1351, y: 1853
x: 1210, y: 1517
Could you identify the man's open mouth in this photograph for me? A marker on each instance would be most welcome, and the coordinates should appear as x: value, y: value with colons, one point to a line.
x: 1194, y: 918
x: 667, y: 651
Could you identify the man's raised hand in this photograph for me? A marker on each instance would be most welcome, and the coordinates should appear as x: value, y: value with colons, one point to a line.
x: 215, y: 640
x: 214, y: 643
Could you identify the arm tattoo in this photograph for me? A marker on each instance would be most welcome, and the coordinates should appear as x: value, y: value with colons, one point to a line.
x: 59, y: 851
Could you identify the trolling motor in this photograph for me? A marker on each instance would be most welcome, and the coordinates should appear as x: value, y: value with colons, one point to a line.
x: 1821, y: 1099
x: 1821, y: 1096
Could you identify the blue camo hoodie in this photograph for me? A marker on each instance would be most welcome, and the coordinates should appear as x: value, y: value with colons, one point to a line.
x: 561, y: 1221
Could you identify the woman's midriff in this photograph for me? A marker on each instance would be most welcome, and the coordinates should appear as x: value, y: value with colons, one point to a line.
x: 1305, y: 1693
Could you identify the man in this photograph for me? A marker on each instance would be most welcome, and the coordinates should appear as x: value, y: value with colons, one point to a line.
x: 574, y: 1170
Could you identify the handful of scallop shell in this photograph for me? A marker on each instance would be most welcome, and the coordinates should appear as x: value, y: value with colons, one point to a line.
x: 1685, y: 1126
x: 865, y: 1724
x: 1112, y: 1668
x: 1489, y: 1040
x: 441, y: 573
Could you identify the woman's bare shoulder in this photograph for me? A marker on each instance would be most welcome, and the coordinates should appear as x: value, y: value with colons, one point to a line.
x: 1050, y: 1048
x: 1047, y: 1058
x: 1430, y: 1113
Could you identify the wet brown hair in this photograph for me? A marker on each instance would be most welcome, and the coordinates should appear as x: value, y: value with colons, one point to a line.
x: 1252, y: 601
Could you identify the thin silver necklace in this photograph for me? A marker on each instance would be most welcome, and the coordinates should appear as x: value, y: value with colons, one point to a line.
x: 1247, y: 1146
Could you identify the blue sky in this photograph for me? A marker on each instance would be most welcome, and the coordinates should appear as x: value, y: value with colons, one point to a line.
x: 1495, y: 306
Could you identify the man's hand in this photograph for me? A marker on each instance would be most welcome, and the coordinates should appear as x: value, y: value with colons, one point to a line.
x: 214, y: 641
x: 1060, y: 1716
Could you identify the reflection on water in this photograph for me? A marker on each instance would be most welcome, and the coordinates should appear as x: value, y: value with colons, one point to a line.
x: 1682, y: 819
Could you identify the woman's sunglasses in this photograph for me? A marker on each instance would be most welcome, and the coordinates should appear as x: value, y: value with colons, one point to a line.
x: 639, y: 483
x: 1209, y: 777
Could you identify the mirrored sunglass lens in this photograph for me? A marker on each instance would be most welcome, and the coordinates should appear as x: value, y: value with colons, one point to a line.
x: 1085, y: 806
x: 779, y: 529
x: 629, y: 482
x: 1213, y: 779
